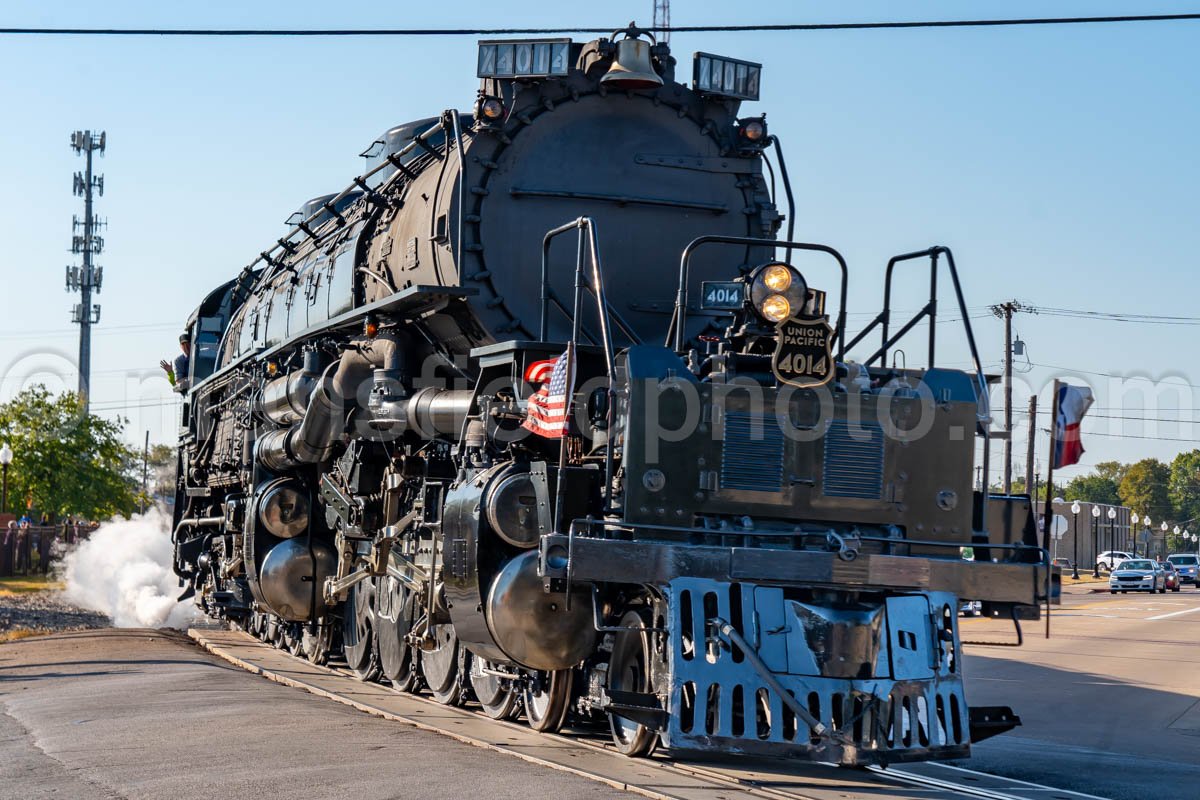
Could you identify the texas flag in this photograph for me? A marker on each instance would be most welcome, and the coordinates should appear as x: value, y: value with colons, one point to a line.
x: 1072, y: 403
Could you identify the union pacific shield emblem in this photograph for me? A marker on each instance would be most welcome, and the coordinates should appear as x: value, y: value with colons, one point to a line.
x: 804, y: 352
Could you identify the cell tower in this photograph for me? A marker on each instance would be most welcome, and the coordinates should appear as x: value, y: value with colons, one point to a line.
x: 662, y: 20
x: 87, y: 278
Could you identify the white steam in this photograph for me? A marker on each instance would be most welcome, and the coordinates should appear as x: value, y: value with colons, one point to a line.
x: 124, y: 570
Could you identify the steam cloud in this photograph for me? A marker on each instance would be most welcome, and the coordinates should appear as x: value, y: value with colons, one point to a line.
x: 124, y: 570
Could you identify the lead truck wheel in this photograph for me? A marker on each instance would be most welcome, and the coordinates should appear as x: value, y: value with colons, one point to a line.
x: 547, y: 696
x: 629, y: 671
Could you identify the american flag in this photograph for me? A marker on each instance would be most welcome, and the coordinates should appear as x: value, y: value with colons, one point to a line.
x: 549, y: 412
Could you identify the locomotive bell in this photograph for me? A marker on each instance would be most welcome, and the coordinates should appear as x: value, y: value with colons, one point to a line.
x: 631, y: 68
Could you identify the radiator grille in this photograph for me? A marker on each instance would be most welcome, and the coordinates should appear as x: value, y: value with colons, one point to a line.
x: 853, y: 464
x: 753, y: 455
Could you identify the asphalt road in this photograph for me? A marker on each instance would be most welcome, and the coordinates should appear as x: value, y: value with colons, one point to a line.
x: 1110, y: 703
x: 100, y: 715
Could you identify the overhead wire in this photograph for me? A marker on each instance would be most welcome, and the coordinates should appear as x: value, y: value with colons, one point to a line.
x: 757, y: 28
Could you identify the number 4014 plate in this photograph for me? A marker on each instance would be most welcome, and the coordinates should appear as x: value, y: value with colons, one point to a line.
x: 722, y: 295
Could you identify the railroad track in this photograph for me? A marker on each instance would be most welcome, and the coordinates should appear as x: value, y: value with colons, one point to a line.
x: 587, y: 754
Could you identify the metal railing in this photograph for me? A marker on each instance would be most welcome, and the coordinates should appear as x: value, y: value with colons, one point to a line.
x: 676, y: 332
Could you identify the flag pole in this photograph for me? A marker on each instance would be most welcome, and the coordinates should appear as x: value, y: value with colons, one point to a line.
x: 1046, y: 519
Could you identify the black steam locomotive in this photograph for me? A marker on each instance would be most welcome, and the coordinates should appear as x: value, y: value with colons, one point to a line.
x: 534, y: 415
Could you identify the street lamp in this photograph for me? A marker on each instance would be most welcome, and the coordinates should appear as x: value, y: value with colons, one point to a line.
x: 1162, y: 528
x: 6, y: 457
x: 1096, y: 540
x: 1133, y: 521
x: 1112, y: 530
x: 1146, y: 522
x: 1075, y: 541
x: 1175, y: 531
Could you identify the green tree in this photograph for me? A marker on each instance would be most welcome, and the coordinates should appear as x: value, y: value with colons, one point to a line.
x: 1184, y: 485
x: 1112, y: 470
x: 1144, y: 488
x: 66, y: 461
x: 1093, y: 488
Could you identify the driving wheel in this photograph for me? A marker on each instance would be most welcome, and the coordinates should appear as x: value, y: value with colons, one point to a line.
x: 442, y: 666
x: 394, y: 607
x: 358, y: 635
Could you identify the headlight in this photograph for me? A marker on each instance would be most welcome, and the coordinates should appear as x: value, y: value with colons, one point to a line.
x: 777, y: 291
x: 777, y: 278
x: 776, y: 308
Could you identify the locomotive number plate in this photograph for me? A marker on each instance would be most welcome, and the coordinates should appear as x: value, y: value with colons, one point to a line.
x: 722, y: 295
x: 804, y: 352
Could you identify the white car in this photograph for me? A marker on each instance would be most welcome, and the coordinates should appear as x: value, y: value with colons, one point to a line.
x: 1137, y: 575
x: 1188, y: 567
x: 1109, y: 559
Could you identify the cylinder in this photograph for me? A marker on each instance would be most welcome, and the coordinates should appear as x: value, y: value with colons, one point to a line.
x: 288, y: 574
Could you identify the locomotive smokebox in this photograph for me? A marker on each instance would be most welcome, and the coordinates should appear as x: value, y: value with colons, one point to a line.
x: 535, y: 628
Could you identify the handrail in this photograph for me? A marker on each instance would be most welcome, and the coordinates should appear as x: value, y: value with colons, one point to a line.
x: 883, y: 319
x: 678, y: 320
x: 355, y: 185
x: 787, y: 186
x: 592, y: 251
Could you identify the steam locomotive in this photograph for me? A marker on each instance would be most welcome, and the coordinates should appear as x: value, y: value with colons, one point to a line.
x: 539, y: 413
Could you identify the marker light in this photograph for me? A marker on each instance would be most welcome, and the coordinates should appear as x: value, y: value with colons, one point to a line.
x: 776, y: 308
x: 491, y: 108
x: 752, y: 130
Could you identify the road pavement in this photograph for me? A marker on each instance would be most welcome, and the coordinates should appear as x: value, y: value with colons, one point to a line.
x: 1111, y: 706
x: 1110, y: 703
x: 113, y: 714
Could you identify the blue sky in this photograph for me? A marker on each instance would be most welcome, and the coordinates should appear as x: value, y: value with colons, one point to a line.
x: 1059, y: 163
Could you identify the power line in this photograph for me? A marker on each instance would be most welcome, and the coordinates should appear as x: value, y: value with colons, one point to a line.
x: 1077, y: 371
x: 1101, y: 316
x: 1090, y: 415
x: 827, y: 26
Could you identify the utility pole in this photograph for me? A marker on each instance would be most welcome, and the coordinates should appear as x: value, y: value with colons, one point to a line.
x: 1029, y: 447
x: 88, y: 277
x: 1005, y: 311
x: 145, y: 472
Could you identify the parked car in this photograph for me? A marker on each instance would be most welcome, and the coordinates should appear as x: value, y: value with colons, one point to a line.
x: 1188, y: 567
x: 970, y: 608
x: 1171, y: 579
x: 1065, y: 563
x: 1109, y: 559
x: 1137, y: 575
